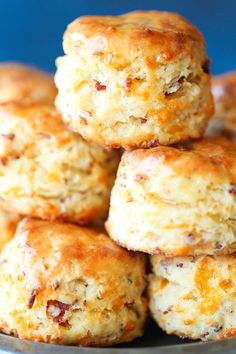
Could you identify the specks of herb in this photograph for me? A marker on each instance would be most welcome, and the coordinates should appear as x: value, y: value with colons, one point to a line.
x: 205, y: 335
x: 129, y: 280
x: 179, y: 265
x: 168, y: 310
x: 218, y: 329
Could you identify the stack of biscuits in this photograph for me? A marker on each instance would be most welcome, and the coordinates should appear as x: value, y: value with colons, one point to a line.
x: 138, y: 82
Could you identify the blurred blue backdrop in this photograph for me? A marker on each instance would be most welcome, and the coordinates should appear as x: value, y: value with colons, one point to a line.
x: 31, y: 30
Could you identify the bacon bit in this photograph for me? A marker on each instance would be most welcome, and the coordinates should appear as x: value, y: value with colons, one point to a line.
x: 83, y: 121
x: 129, y: 199
x: 130, y: 326
x: 190, y: 236
x: 147, y: 30
x: 98, y: 53
x: 205, y: 335
x: 56, y: 285
x: 56, y: 310
x: 169, y: 309
x: 157, y: 251
x: 44, y: 135
x: 31, y: 301
x: 4, y: 160
x: 65, y: 324
x: 206, y: 66
x: 218, y: 329
x: 127, y: 83
x: 129, y: 303
x: 183, y: 145
x: 140, y: 178
x: 154, y: 143
x: 9, y: 136
x: 129, y: 280
x: 143, y: 120
x: 99, y: 86
x: 218, y: 246
x: 175, y: 86
x: 3, y: 262
x: 232, y: 189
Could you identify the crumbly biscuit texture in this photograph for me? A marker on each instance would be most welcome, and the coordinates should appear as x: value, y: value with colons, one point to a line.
x: 134, y: 80
x: 64, y: 284
x: 8, y: 224
x: 48, y: 172
x: 224, y: 93
x: 194, y: 297
x: 24, y: 83
x: 176, y: 200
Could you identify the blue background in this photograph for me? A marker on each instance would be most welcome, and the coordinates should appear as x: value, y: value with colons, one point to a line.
x: 31, y: 30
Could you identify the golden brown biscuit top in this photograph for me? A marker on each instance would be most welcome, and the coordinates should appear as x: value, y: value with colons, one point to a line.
x: 41, y: 117
x: 224, y: 89
x: 143, y: 32
x: 60, y: 245
x: 215, y: 157
x: 19, y: 82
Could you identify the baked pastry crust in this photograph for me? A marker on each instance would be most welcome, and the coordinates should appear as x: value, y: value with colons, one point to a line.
x: 224, y: 93
x: 194, y: 297
x: 72, y: 285
x: 49, y: 172
x: 21, y: 82
x: 134, y: 80
x: 8, y: 224
x: 176, y: 200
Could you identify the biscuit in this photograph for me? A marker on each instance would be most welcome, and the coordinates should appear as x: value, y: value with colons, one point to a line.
x: 134, y: 80
x: 20, y: 82
x: 49, y: 172
x: 8, y: 224
x: 224, y: 93
x: 194, y: 297
x: 176, y: 200
x: 63, y: 284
